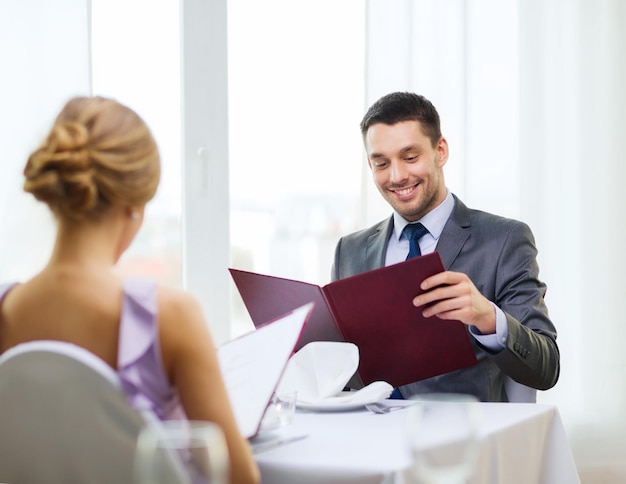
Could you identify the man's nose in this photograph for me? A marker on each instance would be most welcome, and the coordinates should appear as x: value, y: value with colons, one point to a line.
x: 398, y: 172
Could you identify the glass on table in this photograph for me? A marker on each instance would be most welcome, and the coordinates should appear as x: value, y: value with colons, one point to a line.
x: 280, y: 411
x: 181, y: 451
x: 443, y: 437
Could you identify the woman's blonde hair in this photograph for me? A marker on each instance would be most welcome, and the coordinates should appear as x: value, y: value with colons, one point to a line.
x: 98, y: 152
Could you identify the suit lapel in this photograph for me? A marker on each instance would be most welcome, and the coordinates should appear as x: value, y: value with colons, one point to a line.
x: 455, y: 233
x: 377, y: 245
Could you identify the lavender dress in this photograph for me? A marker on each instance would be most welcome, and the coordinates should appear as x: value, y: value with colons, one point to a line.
x: 139, y: 363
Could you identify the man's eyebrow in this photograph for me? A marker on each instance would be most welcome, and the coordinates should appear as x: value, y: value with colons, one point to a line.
x: 410, y: 148
x: 406, y: 149
x: 376, y: 155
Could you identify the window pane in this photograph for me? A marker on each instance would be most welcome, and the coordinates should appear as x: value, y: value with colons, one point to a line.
x: 141, y: 68
x: 296, y: 99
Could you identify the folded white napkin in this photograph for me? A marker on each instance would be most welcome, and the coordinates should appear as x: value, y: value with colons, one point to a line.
x: 321, y: 370
x: 374, y: 392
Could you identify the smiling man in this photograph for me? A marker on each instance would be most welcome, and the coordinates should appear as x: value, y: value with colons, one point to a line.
x: 491, y: 282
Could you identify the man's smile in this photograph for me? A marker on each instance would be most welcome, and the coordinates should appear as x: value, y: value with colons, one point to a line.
x: 404, y: 193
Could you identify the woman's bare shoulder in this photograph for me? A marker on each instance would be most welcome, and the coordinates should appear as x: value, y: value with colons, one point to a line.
x: 178, y: 301
x: 179, y: 311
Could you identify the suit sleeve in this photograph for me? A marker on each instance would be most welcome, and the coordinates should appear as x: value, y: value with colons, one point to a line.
x: 531, y: 356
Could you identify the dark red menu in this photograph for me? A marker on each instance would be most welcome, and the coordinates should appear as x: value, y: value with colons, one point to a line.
x: 373, y: 310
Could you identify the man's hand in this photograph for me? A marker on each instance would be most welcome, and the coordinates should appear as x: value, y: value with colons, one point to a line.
x: 452, y: 295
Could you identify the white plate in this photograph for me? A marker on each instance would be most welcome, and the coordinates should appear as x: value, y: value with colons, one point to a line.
x: 343, y: 401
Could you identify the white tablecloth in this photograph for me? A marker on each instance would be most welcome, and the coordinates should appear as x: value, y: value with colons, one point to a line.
x: 521, y: 443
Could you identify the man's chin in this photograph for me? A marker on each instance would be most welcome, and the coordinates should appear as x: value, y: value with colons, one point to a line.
x: 411, y: 210
x: 408, y: 214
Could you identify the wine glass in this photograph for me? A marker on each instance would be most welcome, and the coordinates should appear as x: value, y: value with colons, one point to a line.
x: 443, y: 437
x: 181, y: 452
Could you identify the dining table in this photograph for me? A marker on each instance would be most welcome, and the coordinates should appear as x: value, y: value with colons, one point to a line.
x: 518, y: 443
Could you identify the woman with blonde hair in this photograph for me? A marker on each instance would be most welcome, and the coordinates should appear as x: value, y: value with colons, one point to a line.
x: 96, y: 170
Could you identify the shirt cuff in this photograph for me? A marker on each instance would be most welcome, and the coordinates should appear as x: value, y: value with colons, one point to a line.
x: 496, y: 341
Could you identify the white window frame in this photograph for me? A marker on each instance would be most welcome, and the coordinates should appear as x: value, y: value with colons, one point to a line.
x: 205, y: 219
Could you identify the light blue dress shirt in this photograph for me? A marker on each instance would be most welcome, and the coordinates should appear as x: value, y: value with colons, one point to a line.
x: 434, y: 221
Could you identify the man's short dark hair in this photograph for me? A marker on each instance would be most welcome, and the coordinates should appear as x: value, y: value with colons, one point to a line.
x: 404, y: 106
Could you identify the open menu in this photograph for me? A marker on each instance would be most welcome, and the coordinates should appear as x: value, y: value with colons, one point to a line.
x: 253, y: 364
x: 373, y: 310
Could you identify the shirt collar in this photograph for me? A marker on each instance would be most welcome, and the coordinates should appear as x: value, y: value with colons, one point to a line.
x: 434, y: 220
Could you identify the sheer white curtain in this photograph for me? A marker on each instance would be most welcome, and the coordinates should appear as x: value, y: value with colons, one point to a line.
x: 45, y: 60
x: 572, y: 124
x: 532, y: 100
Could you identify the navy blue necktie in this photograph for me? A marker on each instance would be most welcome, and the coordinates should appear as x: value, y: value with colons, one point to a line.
x: 413, y: 232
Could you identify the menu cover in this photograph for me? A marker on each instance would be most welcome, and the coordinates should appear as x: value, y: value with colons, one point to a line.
x: 253, y: 364
x: 374, y: 310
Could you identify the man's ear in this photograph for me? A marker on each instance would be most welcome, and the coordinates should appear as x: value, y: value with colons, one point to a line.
x: 442, y: 152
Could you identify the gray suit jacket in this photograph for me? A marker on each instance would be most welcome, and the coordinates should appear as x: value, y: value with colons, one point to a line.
x: 499, y: 256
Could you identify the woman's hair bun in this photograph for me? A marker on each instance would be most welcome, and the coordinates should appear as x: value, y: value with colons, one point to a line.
x: 59, y: 172
x: 97, y: 152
